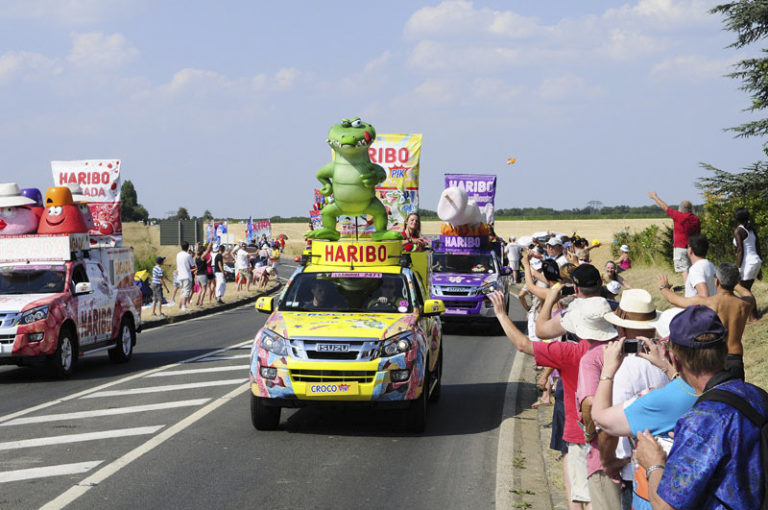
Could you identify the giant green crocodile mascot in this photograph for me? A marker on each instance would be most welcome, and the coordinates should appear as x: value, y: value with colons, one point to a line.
x: 352, y: 180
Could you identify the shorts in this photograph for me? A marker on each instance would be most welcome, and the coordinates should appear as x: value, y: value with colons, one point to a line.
x: 680, y: 259
x: 577, y: 472
x: 244, y: 274
x: 186, y: 287
x: 157, y: 292
x: 202, y: 279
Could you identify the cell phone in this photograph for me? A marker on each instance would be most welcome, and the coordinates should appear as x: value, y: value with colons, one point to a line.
x: 630, y: 347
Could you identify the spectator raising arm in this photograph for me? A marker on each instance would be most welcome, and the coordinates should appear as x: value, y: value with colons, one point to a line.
x: 521, y: 341
x: 547, y: 326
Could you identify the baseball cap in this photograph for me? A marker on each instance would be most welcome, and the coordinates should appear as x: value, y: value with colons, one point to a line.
x: 554, y: 241
x: 586, y: 275
x: 695, y: 321
x: 613, y: 287
x: 624, y: 248
x: 550, y: 269
x: 159, y: 260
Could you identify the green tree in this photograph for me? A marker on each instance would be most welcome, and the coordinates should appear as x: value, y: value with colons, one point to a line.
x: 207, y: 216
x: 725, y: 191
x: 130, y: 209
x: 182, y: 214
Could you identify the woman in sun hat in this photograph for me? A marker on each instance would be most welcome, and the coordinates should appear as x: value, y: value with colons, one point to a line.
x: 624, y: 262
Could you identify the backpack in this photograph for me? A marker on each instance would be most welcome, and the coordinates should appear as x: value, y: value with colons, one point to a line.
x: 745, y: 408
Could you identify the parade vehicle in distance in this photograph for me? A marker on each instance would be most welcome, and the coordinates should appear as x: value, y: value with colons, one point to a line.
x: 464, y: 270
x: 354, y: 325
x: 62, y: 298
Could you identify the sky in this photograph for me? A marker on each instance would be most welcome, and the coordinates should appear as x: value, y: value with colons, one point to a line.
x: 225, y: 106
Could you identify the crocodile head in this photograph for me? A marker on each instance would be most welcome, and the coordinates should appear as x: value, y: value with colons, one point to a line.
x: 351, y: 136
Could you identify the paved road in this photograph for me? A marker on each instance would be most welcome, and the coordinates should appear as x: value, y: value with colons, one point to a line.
x: 172, y: 429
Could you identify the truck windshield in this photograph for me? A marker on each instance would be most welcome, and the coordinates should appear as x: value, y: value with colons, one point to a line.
x: 347, y: 292
x: 32, y: 279
x: 463, y: 263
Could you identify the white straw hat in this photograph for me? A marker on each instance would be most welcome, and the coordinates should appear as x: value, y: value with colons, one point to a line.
x: 585, y: 319
x: 10, y: 196
x: 636, y: 310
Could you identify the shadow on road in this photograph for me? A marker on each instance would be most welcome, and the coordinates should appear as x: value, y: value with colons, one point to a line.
x: 463, y: 409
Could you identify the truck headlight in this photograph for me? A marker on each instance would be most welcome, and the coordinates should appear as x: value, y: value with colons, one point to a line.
x: 35, y: 314
x: 274, y: 343
x: 397, y: 344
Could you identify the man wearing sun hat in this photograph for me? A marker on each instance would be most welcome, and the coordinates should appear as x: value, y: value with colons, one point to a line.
x: 635, y: 317
x: 715, y: 460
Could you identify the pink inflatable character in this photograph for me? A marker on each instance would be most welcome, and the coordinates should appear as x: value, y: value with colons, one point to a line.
x: 81, y: 201
x: 16, y: 216
x: 61, y: 215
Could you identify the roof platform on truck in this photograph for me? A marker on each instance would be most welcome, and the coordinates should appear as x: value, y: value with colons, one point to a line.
x: 43, y: 247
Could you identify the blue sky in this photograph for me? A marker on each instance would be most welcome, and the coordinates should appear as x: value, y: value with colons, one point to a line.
x: 225, y: 106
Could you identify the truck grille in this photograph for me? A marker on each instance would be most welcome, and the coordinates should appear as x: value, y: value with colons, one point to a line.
x: 358, y: 350
x: 7, y: 339
x: 318, y: 376
x: 8, y: 318
x: 460, y: 304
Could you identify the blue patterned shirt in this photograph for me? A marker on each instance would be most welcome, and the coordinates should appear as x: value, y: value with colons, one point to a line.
x: 715, y: 460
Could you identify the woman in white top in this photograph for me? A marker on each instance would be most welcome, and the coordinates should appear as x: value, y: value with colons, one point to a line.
x: 747, y: 251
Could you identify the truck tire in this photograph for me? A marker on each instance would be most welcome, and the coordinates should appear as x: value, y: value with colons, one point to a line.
x: 416, y: 414
x: 126, y: 336
x: 437, y: 376
x: 264, y: 417
x: 65, y: 357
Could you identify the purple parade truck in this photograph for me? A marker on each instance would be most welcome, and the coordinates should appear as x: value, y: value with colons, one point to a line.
x: 464, y: 268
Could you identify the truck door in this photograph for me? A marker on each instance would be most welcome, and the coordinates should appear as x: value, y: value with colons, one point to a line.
x: 84, y: 304
x: 104, y: 296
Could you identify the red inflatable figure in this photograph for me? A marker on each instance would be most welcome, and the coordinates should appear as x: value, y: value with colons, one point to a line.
x: 61, y: 215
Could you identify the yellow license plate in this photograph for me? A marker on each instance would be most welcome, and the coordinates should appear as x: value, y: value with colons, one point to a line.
x: 332, y: 389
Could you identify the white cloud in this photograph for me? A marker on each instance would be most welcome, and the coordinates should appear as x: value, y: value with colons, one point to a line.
x: 628, y: 45
x: 691, y: 68
x: 23, y: 64
x: 100, y: 51
x: 460, y: 18
x: 662, y: 14
x: 286, y: 78
x: 566, y: 87
x: 378, y: 63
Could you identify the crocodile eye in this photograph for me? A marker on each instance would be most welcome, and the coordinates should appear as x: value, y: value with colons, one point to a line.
x: 357, y: 123
x: 345, y: 123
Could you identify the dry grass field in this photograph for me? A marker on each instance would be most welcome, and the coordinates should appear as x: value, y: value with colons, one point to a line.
x: 146, y: 242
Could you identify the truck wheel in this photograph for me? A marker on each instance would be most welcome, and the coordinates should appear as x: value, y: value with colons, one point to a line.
x: 126, y: 336
x: 264, y: 417
x: 65, y: 357
x: 437, y: 376
x: 416, y: 414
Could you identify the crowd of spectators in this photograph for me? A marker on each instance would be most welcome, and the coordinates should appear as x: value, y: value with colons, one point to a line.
x: 665, y: 388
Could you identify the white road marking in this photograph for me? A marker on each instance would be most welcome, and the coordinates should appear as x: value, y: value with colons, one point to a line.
x: 77, y: 438
x: 139, y: 375
x: 222, y: 358
x: 102, y: 474
x: 105, y: 412
x: 158, y: 389
x: 171, y: 373
x: 42, y: 472
x: 505, y: 468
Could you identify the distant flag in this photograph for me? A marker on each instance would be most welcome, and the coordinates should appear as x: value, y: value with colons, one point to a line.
x: 511, y: 161
x: 249, y: 229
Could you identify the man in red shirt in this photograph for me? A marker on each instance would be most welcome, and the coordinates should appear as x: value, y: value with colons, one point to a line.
x: 585, y: 319
x: 685, y: 224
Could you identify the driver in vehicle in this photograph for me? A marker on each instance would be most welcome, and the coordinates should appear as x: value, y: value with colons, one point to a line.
x: 388, y: 296
x: 324, y: 296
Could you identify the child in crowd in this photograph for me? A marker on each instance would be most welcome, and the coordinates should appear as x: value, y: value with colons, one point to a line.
x: 158, y: 282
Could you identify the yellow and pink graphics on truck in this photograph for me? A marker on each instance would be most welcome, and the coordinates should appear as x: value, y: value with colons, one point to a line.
x: 354, y: 325
x: 61, y: 299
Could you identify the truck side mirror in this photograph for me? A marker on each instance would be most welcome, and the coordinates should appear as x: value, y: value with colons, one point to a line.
x: 433, y: 307
x: 83, y: 288
x: 265, y: 304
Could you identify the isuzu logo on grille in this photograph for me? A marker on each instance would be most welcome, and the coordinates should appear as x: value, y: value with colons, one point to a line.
x: 332, y: 347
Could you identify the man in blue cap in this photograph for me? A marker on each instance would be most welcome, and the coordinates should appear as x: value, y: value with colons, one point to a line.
x: 715, y: 460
